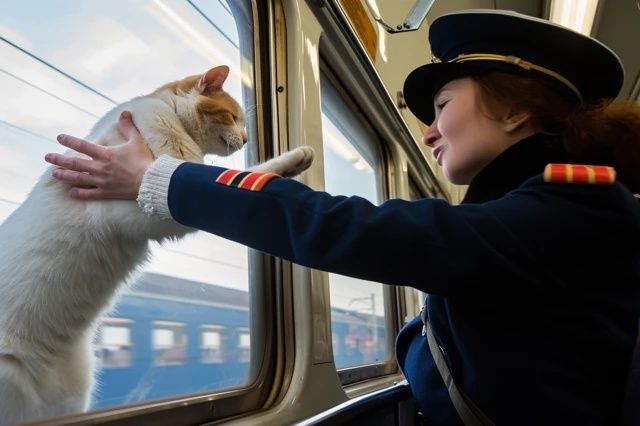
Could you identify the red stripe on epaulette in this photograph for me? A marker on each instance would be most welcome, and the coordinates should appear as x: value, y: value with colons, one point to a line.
x: 263, y: 180
x: 237, y: 179
x: 227, y: 176
x: 256, y: 181
x: 580, y: 174
x: 248, y: 180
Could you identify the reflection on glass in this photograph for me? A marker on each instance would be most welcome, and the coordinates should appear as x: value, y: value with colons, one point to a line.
x: 351, y: 161
x: 57, y: 81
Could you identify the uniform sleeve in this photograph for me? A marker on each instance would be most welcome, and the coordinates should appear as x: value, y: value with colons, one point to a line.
x: 426, y: 244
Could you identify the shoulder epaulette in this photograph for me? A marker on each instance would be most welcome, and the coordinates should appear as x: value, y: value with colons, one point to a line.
x: 580, y: 174
x: 251, y: 181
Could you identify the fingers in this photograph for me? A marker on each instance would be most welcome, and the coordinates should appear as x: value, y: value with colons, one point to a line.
x: 87, y: 193
x: 127, y: 128
x: 76, y: 178
x: 92, y: 150
x: 73, y: 163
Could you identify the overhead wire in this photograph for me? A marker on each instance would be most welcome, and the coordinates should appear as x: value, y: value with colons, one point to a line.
x: 225, y: 7
x: 206, y: 18
x: 22, y: 129
x: 6, y: 200
x: 71, y: 104
x: 53, y: 67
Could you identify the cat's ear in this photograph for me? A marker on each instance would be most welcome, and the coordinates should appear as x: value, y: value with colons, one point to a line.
x: 212, y: 81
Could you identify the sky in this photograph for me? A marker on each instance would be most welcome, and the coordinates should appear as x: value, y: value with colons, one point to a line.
x: 66, y: 63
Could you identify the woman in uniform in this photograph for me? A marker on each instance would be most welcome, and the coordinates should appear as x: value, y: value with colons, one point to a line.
x: 534, y: 280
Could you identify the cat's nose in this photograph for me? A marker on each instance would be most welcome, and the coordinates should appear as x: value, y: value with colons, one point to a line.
x: 244, y: 137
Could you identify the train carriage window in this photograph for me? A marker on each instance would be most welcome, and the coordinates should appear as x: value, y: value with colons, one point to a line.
x: 62, y: 81
x: 415, y: 193
x: 113, y: 345
x: 169, y: 340
x: 353, y: 166
x: 212, y: 346
x: 244, y: 345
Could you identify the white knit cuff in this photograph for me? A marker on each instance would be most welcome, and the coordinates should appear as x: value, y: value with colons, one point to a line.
x: 152, y: 196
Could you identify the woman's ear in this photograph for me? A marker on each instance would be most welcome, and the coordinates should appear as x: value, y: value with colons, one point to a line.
x: 513, y: 121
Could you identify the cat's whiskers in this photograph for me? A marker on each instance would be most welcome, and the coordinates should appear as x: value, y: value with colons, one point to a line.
x: 251, y: 110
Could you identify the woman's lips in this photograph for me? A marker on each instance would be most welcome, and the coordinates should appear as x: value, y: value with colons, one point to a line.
x: 437, y: 151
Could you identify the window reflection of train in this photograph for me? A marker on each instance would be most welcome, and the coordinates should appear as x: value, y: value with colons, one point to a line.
x: 168, y: 336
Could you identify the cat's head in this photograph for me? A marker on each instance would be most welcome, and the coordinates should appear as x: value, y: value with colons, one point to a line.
x: 218, y: 123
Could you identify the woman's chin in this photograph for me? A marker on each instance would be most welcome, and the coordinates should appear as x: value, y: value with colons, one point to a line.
x: 455, y: 177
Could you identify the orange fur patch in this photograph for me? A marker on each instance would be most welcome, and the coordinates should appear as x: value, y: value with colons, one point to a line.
x: 184, y: 85
x: 220, y: 107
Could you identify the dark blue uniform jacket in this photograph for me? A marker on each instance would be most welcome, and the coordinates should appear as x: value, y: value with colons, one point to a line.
x: 534, y: 287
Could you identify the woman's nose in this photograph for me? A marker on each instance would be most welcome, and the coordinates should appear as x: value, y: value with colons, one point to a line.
x: 431, y: 135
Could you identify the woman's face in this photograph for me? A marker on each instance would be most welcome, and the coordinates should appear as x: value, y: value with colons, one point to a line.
x: 463, y: 139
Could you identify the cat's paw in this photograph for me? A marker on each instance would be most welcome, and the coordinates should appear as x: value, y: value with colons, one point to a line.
x: 290, y: 163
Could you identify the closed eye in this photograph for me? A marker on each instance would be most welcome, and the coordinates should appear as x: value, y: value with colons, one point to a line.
x: 442, y: 104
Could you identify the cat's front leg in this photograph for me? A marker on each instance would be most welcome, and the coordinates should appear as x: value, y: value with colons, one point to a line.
x: 289, y: 164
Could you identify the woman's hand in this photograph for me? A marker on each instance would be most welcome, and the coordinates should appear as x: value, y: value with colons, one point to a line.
x: 113, y: 172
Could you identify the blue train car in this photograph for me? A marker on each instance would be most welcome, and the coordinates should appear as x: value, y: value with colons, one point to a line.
x: 169, y: 336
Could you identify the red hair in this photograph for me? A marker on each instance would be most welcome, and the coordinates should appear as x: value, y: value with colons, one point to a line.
x: 605, y: 133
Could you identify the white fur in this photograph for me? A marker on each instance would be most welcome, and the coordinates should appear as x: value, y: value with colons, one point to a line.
x: 62, y: 260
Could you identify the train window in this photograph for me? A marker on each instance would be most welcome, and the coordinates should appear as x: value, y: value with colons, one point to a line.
x: 169, y: 341
x: 212, y: 346
x: 57, y: 81
x: 415, y: 193
x: 113, y: 345
x: 353, y: 166
x: 244, y: 345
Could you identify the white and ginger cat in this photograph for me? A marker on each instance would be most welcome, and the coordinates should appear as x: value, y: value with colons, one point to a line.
x: 62, y: 260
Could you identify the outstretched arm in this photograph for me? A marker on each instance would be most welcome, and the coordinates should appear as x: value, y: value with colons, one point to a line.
x: 112, y: 172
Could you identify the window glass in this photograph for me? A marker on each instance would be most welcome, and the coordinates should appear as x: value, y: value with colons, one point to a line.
x: 63, y: 65
x: 113, y: 344
x: 352, y: 165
